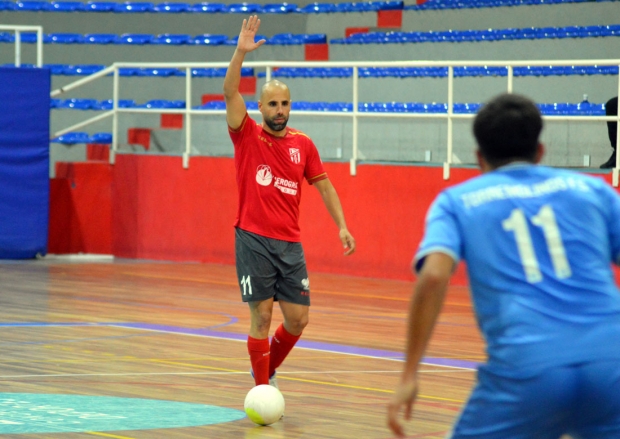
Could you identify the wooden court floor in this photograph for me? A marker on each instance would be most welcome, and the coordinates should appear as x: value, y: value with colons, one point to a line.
x: 176, y: 332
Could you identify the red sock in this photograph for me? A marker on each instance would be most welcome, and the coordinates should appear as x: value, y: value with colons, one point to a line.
x: 281, y: 344
x: 259, y: 357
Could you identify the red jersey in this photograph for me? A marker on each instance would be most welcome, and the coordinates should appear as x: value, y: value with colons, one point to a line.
x: 270, y: 171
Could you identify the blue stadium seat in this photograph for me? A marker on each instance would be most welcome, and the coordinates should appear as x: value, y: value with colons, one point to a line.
x: 212, y: 105
x: 56, y: 69
x: 210, y: 8
x: 314, y: 38
x: 286, y: 39
x: 72, y: 138
x: 7, y: 6
x: 135, y: 39
x: 54, y: 103
x: 161, y: 72
x: 233, y: 41
x: 356, y: 7
x: 105, y: 138
x: 100, y: 38
x: 243, y: 8
x: 86, y: 69
x: 389, y: 5
x: 173, y: 39
x: 29, y: 37
x: 97, y: 6
x: 279, y: 8
x: 134, y: 7
x: 79, y: 104
x: 129, y: 71
x: 318, y: 8
x: 171, y: 7
x: 108, y: 104
x: 32, y: 6
x: 209, y: 39
x: 162, y: 104
x: 64, y: 38
x: 67, y: 6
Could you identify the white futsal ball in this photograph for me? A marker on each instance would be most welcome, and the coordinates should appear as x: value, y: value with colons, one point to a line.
x: 264, y: 404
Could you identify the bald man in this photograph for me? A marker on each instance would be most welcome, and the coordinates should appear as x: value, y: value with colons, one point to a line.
x: 271, y: 162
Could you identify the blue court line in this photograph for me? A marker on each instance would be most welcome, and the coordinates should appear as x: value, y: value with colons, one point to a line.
x: 208, y: 332
x: 319, y: 346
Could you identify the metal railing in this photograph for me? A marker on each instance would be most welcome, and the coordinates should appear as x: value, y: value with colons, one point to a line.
x: 18, y: 47
x: 355, y: 114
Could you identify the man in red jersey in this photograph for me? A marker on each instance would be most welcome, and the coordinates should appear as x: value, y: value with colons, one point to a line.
x: 271, y: 163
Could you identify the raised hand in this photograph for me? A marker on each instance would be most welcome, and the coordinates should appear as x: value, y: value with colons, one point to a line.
x: 248, y: 32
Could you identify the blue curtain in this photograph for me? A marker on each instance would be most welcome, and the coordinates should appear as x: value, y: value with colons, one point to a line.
x: 24, y: 162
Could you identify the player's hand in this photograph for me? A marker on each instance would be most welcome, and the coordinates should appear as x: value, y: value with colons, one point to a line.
x: 347, y: 241
x: 404, y: 397
x: 248, y: 32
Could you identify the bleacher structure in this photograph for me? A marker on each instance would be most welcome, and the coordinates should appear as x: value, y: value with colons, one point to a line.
x: 336, y: 32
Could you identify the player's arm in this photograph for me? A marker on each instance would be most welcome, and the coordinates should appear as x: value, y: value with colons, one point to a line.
x: 235, y: 105
x: 332, y: 203
x: 425, y: 306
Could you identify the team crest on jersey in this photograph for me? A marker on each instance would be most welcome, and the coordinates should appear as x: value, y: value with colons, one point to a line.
x: 295, y: 155
x: 264, y: 175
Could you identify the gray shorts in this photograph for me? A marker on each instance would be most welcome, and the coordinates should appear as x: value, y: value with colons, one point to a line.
x: 269, y: 268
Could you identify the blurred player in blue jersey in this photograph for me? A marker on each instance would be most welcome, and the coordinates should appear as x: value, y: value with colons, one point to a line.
x: 538, y: 243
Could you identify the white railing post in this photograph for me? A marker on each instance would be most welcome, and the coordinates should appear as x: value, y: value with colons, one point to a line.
x: 446, y: 165
x: 40, y: 47
x: 354, y: 152
x: 188, y: 118
x: 115, y: 94
x: 18, y: 49
x: 616, y: 168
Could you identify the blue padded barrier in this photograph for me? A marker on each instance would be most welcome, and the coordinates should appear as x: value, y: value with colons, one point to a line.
x: 134, y: 7
x: 172, y: 8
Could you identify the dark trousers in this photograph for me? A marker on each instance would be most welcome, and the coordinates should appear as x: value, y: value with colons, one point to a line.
x: 611, y: 109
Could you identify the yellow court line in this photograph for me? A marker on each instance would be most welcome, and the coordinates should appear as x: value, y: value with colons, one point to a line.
x: 333, y: 293
x: 303, y: 380
x: 96, y: 433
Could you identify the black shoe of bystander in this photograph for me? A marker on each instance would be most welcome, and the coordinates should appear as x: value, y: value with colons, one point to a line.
x: 611, y: 163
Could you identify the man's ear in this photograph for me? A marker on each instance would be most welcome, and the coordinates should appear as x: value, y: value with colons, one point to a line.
x: 540, y: 152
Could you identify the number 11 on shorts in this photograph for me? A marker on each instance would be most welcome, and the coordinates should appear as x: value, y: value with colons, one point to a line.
x: 247, y: 286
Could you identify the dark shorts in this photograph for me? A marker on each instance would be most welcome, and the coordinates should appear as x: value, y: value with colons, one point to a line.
x: 582, y: 400
x: 269, y: 268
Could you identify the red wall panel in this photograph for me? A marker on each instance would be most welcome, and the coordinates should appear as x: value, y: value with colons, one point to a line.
x: 149, y: 207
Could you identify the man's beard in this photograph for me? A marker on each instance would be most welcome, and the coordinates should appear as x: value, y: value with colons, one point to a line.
x: 276, y: 126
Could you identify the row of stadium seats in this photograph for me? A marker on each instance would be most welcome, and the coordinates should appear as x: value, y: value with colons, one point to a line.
x: 254, y: 8
x: 204, y: 7
x: 339, y: 72
x: 583, y: 108
x: 528, y: 33
x: 168, y: 39
x: 612, y: 30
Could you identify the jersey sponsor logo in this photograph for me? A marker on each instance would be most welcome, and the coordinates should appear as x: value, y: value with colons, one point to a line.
x: 264, y: 175
x: 295, y: 155
x: 286, y: 186
x: 264, y: 139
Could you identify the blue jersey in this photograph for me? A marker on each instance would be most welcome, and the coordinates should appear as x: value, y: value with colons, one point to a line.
x: 538, y: 243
